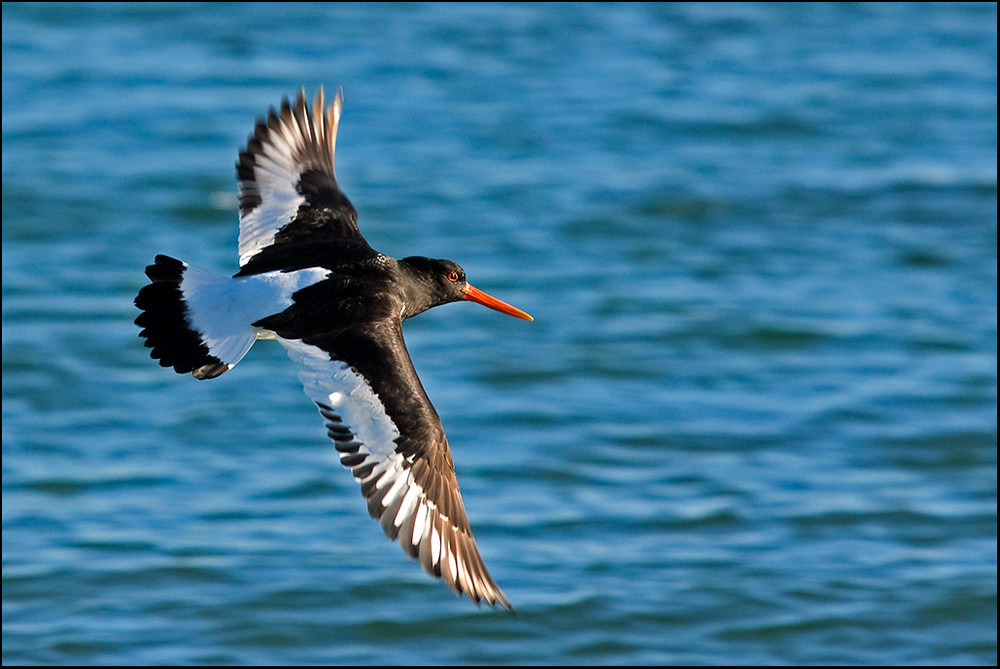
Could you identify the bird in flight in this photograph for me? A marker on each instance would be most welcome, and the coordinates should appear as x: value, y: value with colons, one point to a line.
x: 309, y: 279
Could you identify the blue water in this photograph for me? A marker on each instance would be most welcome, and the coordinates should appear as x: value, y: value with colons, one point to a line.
x: 754, y: 421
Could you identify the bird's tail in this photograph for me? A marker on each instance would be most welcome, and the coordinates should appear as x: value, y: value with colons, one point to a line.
x: 184, y: 320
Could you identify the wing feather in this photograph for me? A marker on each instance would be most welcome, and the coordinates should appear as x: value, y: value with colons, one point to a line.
x: 287, y: 182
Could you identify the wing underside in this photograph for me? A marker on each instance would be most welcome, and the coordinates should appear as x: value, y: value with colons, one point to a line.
x: 399, y: 456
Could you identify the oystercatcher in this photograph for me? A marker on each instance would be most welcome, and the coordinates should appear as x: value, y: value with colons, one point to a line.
x: 309, y: 279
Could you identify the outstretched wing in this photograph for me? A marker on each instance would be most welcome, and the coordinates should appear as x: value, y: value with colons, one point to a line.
x: 390, y: 436
x: 288, y: 188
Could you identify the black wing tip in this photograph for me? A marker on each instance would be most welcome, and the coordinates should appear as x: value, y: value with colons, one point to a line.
x: 471, y: 578
x: 499, y: 602
x: 496, y: 600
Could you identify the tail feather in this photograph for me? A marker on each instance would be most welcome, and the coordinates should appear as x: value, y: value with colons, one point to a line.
x: 179, y: 324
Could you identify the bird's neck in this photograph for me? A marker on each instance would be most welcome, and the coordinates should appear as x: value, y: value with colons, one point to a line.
x: 418, y: 292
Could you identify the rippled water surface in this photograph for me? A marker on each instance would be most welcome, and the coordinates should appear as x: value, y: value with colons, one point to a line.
x: 754, y: 421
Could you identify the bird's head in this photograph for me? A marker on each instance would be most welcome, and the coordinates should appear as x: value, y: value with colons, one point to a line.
x: 443, y: 281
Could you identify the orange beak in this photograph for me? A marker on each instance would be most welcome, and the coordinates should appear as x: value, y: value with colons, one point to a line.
x: 475, y: 295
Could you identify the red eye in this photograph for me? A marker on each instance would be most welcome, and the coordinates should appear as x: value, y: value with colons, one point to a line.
x: 453, y: 276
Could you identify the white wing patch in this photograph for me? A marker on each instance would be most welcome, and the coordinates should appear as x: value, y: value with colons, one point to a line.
x: 278, y: 209
x: 334, y: 384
